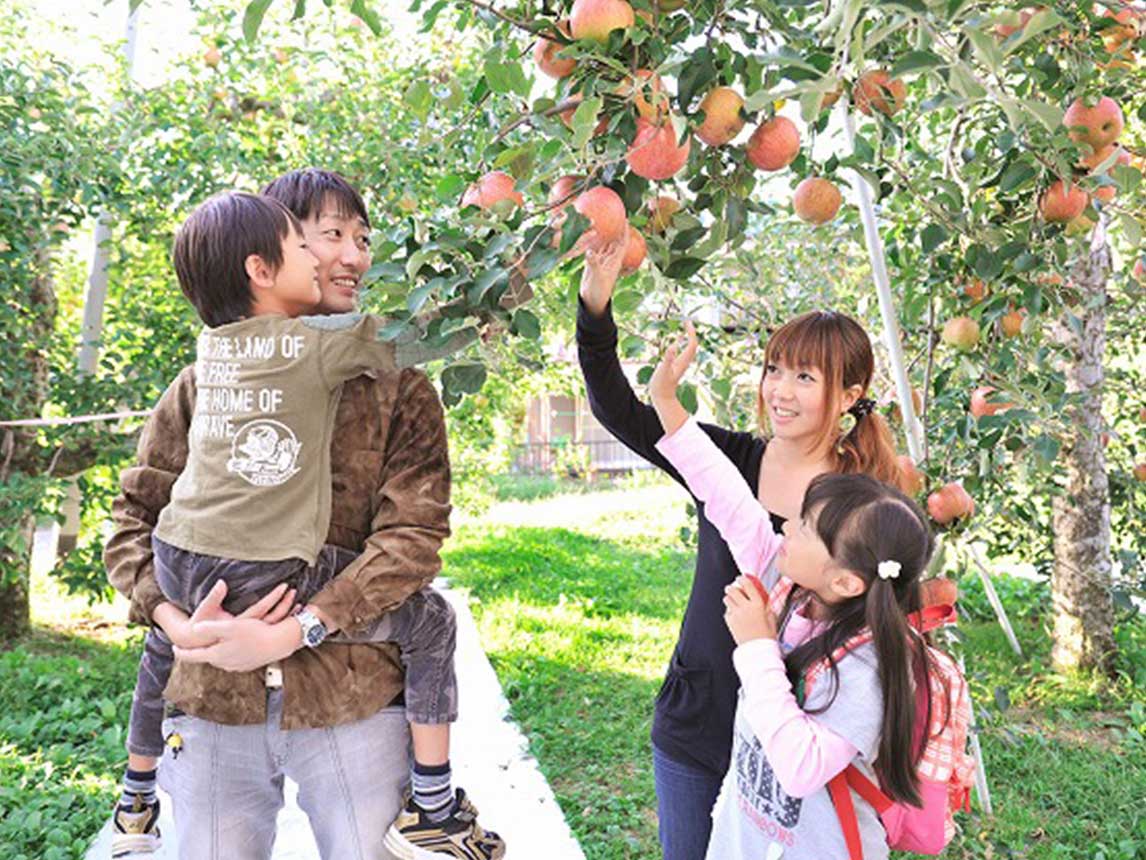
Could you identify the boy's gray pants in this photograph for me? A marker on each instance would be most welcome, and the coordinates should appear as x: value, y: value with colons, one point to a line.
x: 423, y: 627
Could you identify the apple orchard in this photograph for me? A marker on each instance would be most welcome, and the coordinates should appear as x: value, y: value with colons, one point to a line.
x: 1003, y: 147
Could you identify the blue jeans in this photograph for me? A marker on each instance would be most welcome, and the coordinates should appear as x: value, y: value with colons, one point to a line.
x: 685, y: 797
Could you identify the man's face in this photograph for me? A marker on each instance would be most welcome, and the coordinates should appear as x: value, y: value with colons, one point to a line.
x: 341, y: 243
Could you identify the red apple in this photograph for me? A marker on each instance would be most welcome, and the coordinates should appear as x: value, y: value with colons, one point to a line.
x: 491, y: 189
x: 774, y: 144
x: 981, y: 404
x: 877, y: 90
x: 545, y: 55
x: 606, y: 213
x: 647, y: 93
x: 1139, y: 270
x: 655, y: 153
x: 975, y: 289
x: 911, y: 478
x: 1062, y: 203
x: 635, y: 250
x: 1012, y: 322
x: 596, y: 19
x: 1140, y: 471
x: 213, y: 57
x: 961, y: 333
x: 949, y: 503
x: 661, y: 211
x: 816, y: 200
x: 1098, y: 126
x: 722, y: 119
x: 938, y: 591
x: 1012, y: 21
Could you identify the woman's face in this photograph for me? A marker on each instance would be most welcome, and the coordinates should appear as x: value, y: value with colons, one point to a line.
x: 341, y: 243
x: 793, y: 400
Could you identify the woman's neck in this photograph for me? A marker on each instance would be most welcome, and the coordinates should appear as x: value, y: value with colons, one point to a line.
x: 794, y: 454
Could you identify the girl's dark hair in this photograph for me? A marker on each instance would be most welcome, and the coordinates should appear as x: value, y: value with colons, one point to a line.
x: 840, y: 349
x: 305, y: 192
x: 863, y: 522
x: 212, y: 246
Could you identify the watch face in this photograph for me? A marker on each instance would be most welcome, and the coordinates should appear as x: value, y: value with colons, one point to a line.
x: 315, y: 634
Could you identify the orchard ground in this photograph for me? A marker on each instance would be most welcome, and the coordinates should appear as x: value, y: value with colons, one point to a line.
x: 578, y: 598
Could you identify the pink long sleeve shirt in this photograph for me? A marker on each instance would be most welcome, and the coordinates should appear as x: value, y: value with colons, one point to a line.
x: 803, y: 753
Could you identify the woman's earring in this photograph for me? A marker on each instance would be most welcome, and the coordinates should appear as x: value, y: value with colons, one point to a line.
x: 847, y: 424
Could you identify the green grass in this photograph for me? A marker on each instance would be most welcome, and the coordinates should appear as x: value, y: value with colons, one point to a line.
x: 578, y: 599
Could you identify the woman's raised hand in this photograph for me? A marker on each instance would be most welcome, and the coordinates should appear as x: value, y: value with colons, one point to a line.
x: 666, y: 379
x: 602, y: 268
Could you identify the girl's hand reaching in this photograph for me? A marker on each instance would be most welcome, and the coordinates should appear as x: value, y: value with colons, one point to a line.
x: 666, y: 379
x: 747, y: 612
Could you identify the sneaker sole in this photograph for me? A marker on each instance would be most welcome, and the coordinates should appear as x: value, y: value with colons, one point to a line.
x: 404, y: 849
x: 135, y: 846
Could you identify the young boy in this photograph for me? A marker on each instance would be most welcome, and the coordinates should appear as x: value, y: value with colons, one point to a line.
x: 251, y: 509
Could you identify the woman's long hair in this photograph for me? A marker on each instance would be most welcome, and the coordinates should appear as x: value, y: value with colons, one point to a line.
x: 840, y: 349
x: 863, y: 522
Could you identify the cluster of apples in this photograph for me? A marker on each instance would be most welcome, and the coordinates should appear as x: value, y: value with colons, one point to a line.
x: 656, y: 153
x: 1096, y: 127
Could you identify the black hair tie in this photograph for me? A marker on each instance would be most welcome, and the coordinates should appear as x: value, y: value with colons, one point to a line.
x: 862, y: 407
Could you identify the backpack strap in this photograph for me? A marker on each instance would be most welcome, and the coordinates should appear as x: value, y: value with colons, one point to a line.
x: 842, y: 799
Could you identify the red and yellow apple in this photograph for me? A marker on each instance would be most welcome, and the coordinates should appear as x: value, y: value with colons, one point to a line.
x: 722, y: 119
x: 878, y: 91
x: 1062, y: 203
x: 606, y: 213
x: 950, y: 502
x: 491, y: 189
x: 545, y: 55
x: 774, y: 144
x: 596, y: 19
x: 961, y: 333
x: 816, y: 200
x: 655, y: 152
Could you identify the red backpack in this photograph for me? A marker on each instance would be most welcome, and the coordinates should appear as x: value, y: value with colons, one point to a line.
x: 945, y: 770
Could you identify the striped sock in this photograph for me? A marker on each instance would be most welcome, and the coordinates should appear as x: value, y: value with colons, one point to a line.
x: 432, y: 790
x: 138, y: 782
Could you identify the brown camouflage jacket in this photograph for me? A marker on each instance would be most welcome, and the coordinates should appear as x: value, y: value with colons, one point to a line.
x: 391, y: 491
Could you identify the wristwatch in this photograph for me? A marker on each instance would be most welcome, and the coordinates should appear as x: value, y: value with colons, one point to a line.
x: 313, y: 630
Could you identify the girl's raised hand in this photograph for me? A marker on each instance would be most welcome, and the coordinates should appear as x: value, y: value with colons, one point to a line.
x: 666, y: 378
x: 747, y: 613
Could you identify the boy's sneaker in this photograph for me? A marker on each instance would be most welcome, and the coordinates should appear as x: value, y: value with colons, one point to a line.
x: 413, y: 836
x: 135, y: 830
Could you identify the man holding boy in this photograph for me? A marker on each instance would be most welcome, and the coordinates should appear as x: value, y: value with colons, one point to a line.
x: 328, y: 718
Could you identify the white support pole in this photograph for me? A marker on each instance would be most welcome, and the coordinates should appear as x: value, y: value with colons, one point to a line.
x: 899, y: 371
x: 993, y: 599
x: 886, y: 302
x: 92, y: 328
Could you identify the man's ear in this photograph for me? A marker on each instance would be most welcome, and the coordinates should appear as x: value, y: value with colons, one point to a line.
x: 260, y: 274
x: 847, y: 584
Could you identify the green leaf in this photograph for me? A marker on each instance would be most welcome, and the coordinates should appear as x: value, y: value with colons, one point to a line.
x: 367, y: 14
x: 684, y: 268
x: 686, y: 394
x: 697, y: 74
x: 253, y: 17
x: 299, y: 10
x: 585, y: 121
x: 526, y: 324
x: 418, y: 295
x: 464, y: 378
x: 1040, y: 22
x: 645, y: 374
x: 915, y: 61
x: 987, y: 49
x: 449, y: 188
x: 419, y: 97
x: 1015, y: 176
x: 1049, y: 115
x: 932, y: 237
x: 487, y: 279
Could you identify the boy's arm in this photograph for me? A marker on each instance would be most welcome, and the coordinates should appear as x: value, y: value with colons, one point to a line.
x: 728, y: 501
x: 145, y: 489
x: 412, y: 518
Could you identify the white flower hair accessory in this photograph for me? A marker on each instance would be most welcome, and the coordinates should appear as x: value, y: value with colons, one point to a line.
x: 889, y: 569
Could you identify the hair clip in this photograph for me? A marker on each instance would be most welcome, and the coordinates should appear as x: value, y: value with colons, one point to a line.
x: 863, y: 406
x: 889, y: 569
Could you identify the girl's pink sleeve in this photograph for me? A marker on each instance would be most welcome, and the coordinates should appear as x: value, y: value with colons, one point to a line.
x: 803, y: 753
x: 728, y: 501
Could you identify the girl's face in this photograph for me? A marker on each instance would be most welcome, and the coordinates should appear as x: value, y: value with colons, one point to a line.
x: 794, y: 400
x: 805, y: 560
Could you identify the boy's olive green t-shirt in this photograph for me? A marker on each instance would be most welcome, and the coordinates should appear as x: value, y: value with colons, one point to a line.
x: 256, y: 486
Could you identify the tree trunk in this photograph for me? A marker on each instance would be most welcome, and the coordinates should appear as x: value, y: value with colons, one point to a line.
x: 22, y: 395
x: 1083, y: 569
x: 15, y: 565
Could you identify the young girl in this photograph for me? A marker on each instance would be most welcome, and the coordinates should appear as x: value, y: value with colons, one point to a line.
x: 815, y: 418
x: 853, y: 558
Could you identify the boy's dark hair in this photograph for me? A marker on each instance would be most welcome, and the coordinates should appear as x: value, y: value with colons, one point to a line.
x: 213, y: 244
x: 304, y: 192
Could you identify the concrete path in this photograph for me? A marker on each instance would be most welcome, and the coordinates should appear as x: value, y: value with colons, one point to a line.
x: 491, y: 760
